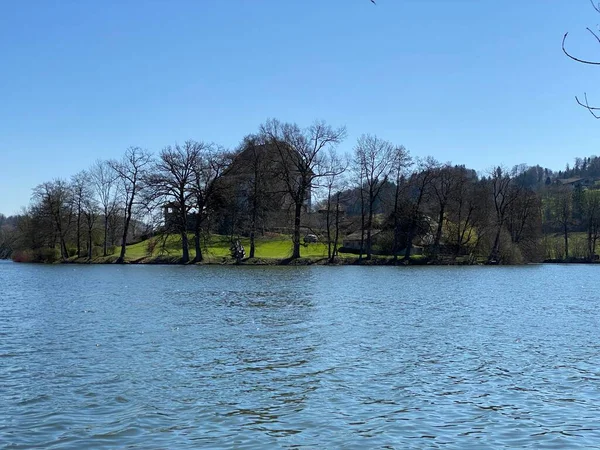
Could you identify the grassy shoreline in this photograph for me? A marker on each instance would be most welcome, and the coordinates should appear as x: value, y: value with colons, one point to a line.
x: 345, y: 260
x: 227, y: 261
x: 273, y: 250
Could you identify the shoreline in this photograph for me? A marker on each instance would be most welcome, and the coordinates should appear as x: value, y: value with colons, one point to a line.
x: 345, y: 261
x: 377, y: 260
x: 226, y: 261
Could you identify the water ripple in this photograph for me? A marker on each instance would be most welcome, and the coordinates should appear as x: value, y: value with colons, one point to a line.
x: 303, y: 357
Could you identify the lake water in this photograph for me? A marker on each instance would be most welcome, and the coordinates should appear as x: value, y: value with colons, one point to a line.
x: 274, y: 357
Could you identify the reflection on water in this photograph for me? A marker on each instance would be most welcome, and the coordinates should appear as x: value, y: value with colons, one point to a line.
x: 253, y: 357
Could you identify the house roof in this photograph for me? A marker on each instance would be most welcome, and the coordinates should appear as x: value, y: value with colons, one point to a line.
x: 571, y: 180
x: 332, y: 209
x: 266, y: 155
x: 357, y: 235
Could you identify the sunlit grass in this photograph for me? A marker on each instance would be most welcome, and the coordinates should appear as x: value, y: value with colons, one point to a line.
x: 555, y: 245
x: 217, y: 246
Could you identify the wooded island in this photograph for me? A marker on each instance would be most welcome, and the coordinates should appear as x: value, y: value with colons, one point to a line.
x: 287, y: 193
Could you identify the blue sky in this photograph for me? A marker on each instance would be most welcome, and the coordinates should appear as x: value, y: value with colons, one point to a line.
x: 472, y: 82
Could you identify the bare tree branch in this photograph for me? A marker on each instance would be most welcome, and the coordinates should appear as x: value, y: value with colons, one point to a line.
x: 583, y: 61
x: 593, y: 34
x: 587, y: 106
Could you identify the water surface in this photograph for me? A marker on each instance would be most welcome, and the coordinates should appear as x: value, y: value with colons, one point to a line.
x: 276, y: 357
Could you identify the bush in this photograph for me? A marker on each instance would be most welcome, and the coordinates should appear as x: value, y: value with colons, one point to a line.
x: 41, y: 255
x: 45, y: 255
x: 22, y: 256
x: 510, y: 253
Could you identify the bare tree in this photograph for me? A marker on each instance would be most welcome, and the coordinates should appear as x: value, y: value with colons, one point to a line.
x: 55, y: 201
x: 504, y: 192
x: 80, y: 192
x: 8, y: 235
x: 520, y: 214
x: 373, y: 159
x: 209, y: 167
x: 131, y: 171
x: 401, y: 162
x: 104, y: 181
x: 363, y: 212
x: 563, y: 213
x: 442, y: 186
x: 419, y: 185
x: 462, y: 209
x: 170, y: 181
x: 253, y: 193
x: 301, y: 154
x: 524, y: 224
x: 258, y: 198
x: 335, y: 168
x: 591, y: 209
x: 91, y: 212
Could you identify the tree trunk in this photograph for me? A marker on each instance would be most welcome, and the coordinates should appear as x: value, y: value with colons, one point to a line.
x: 328, y: 226
x: 337, y: 229
x: 63, y: 247
x: 413, y: 225
x: 362, y: 223
x: 296, y: 239
x: 589, y: 243
x: 495, y: 253
x: 369, y: 227
x: 409, y: 241
x: 64, y: 254
x: 566, y: 236
x: 105, y: 245
x: 253, y: 224
x: 412, y: 230
x: 90, y: 244
x: 396, y: 246
x: 198, y: 247
x: 121, y: 258
x: 438, y: 232
x: 79, y: 231
x: 185, y: 247
x: 197, y: 243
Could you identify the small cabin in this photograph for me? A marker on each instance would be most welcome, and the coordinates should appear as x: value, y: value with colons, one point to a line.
x: 353, y: 241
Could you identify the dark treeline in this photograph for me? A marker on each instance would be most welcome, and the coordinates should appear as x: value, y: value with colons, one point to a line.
x: 289, y: 180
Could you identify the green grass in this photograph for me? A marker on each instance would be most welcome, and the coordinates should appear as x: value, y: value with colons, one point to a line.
x: 279, y: 247
x: 554, y: 245
x: 217, y: 247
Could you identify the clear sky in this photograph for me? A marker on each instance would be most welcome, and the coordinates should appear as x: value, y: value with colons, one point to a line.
x: 474, y: 82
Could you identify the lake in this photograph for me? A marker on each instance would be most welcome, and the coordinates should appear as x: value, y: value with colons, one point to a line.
x: 141, y: 356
